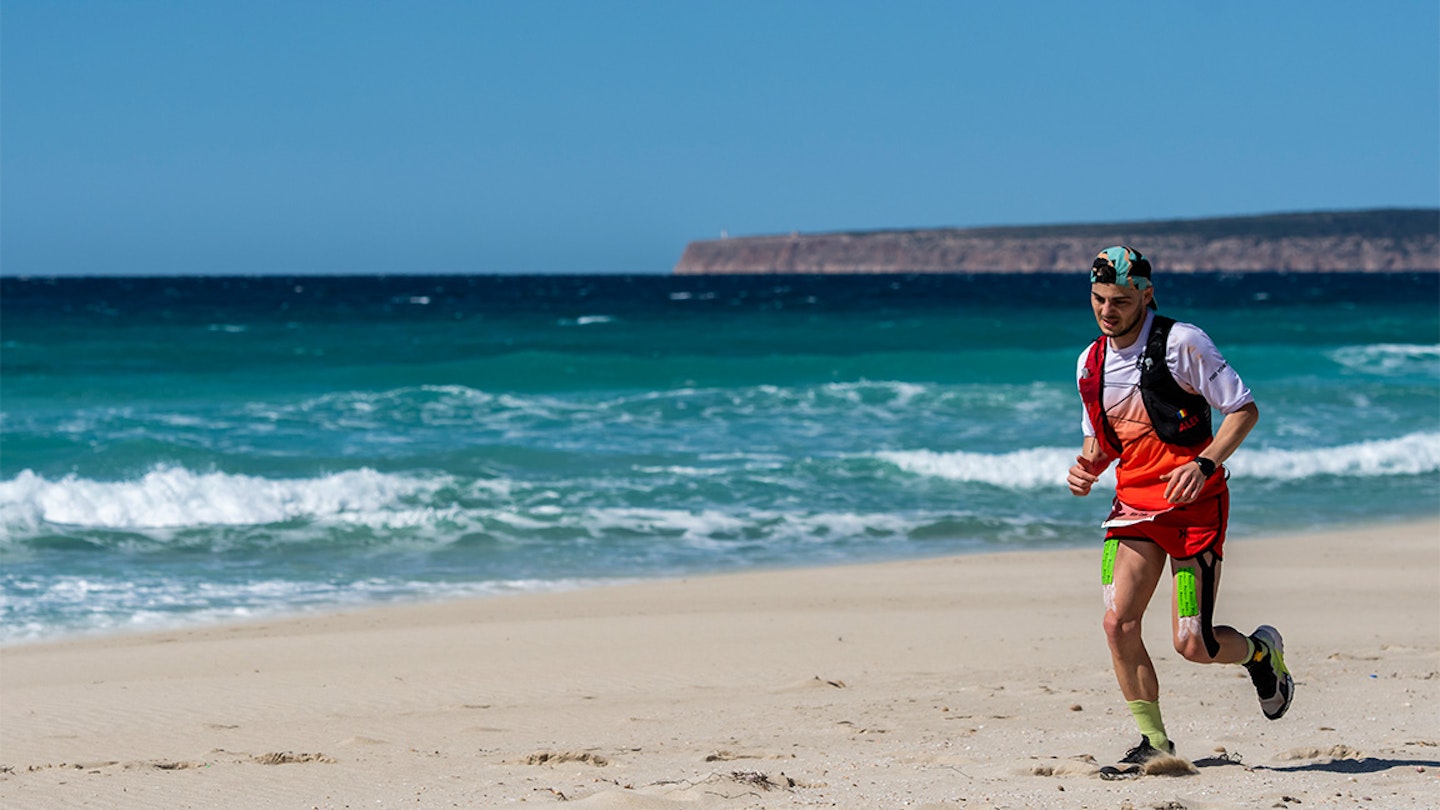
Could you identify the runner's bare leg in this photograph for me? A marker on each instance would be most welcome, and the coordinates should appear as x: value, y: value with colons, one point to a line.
x: 1138, y: 567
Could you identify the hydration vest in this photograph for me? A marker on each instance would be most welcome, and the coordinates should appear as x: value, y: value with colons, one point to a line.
x: 1178, y: 416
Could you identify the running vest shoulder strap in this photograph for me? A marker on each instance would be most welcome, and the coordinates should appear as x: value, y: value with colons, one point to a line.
x: 1179, y: 417
x: 1092, y: 393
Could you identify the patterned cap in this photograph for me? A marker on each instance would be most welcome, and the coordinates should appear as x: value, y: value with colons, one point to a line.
x: 1122, y: 265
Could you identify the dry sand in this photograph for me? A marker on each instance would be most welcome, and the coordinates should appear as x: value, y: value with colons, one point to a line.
x: 966, y: 682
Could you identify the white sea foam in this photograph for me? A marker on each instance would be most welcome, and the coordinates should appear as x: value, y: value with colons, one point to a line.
x: 92, y: 605
x: 1414, y: 454
x: 1044, y: 467
x: 173, y: 497
x: 392, y: 415
x: 1389, y: 358
x: 682, y: 470
x: 690, y: 524
x: 1034, y: 468
x: 169, y: 498
x: 901, y: 393
x: 717, y: 530
x: 431, y: 405
x: 176, y: 498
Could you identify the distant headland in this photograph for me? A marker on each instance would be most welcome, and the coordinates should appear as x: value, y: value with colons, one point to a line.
x: 1317, y: 242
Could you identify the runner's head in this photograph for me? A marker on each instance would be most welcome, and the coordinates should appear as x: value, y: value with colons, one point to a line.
x: 1124, y: 266
x: 1120, y: 290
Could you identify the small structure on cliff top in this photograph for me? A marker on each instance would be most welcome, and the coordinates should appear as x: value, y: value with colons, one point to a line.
x: 1372, y: 241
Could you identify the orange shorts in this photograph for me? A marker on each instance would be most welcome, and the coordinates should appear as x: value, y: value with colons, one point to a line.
x: 1185, y: 531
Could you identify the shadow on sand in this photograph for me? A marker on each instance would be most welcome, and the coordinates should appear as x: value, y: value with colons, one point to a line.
x: 1348, y: 766
x: 1353, y: 766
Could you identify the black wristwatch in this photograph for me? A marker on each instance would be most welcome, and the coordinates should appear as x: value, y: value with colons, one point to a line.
x: 1207, y: 467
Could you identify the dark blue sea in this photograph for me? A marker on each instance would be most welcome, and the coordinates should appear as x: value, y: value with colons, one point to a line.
x: 176, y: 451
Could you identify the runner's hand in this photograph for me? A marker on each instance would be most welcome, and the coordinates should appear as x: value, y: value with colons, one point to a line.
x: 1183, y: 484
x: 1084, y: 474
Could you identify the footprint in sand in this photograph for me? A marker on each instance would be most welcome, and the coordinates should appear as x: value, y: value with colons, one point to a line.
x: 559, y: 757
x: 816, y: 682
x: 289, y: 757
x: 1330, y: 752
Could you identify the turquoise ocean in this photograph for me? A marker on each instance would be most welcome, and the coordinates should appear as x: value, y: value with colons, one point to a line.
x: 180, y: 451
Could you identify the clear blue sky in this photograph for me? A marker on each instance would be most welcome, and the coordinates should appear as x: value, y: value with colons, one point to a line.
x: 181, y: 137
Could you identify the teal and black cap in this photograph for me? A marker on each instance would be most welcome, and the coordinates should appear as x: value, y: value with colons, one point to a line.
x: 1122, y: 265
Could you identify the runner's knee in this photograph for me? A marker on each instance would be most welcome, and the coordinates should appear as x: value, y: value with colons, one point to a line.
x: 1119, y: 628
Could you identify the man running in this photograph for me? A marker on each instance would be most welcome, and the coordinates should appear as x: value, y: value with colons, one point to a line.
x: 1149, y: 384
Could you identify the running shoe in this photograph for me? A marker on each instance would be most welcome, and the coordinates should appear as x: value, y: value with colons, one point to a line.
x: 1267, y: 671
x: 1135, y: 759
x: 1144, y: 752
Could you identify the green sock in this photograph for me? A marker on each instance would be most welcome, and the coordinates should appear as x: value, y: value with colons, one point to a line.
x: 1147, y: 717
x: 1250, y: 648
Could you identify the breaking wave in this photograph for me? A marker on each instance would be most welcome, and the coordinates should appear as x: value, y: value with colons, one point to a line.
x: 174, y: 497
x: 1045, y: 467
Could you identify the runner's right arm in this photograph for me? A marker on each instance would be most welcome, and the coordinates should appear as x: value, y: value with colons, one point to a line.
x: 1088, y: 465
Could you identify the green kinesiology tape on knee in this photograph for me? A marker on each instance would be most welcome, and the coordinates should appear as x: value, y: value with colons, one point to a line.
x: 1107, y: 562
x: 1187, y: 598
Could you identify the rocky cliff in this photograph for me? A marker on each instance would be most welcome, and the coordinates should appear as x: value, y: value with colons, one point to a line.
x: 1381, y: 240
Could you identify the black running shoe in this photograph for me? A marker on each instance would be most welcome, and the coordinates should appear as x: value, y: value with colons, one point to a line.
x: 1144, y: 752
x: 1273, y: 683
x: 1134, y: 760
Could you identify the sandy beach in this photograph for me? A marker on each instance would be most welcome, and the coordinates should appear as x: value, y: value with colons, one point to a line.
x: 971, y: 682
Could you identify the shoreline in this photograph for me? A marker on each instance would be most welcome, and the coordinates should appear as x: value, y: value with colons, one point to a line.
x: 964, y: 681
x: 1403, y: 523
